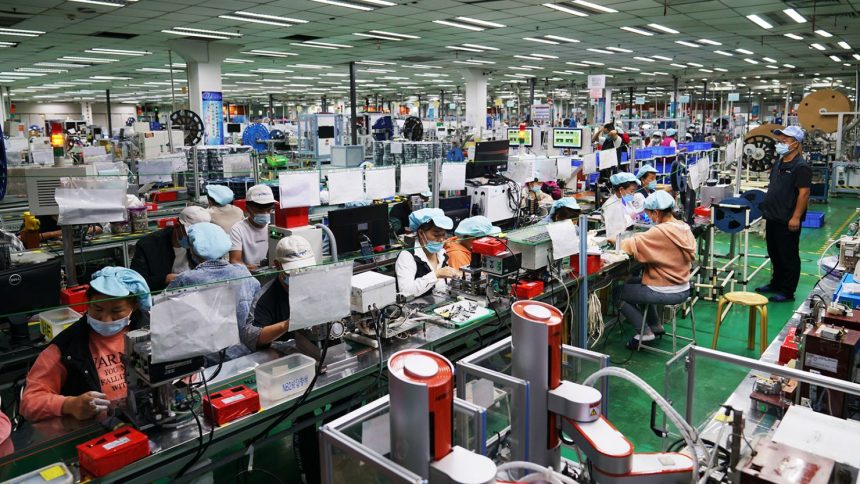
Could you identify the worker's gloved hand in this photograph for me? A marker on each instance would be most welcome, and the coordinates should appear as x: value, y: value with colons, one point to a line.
x: 86, y: 405
x: 447, y: 273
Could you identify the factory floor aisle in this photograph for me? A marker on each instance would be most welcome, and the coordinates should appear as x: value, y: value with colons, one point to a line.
x: 630, y: 409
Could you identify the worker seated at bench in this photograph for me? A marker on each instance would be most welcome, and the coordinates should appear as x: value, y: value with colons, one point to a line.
x: 565, y: 208
x: 425, y: 265
x: 80, y: 373
x: 618, y: 209
x: 667, y: 251
x: 458, y: 249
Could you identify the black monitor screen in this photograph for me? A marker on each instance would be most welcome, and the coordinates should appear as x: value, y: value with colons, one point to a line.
x: 490, y: 157
x: 234, y: 128
x: 456, y: 208
x: 325, y: 132
x: 30, y: 287
x: 351, y: 225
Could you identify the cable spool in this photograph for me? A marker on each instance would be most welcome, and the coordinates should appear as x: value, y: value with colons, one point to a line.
x: 759, y: 150
x: 809, y: 112
x: 190, y: 124
x: 413, y: 129
x: 255, y: 136
x: 729, y: 219
x: 755, y: 199
x: 277, y: 134
x: 678, y: 177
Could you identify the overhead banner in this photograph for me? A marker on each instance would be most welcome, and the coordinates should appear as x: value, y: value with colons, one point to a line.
x: 734, y: 96
x: 597, y: 81
x: 212, y: 107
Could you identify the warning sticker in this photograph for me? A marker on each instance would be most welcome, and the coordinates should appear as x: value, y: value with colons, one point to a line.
x: 116, y: 443
x: 593, y: 413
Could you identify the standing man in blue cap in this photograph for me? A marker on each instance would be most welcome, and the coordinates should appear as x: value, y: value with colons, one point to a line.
x: 784, y: 209
x: 223, y: 213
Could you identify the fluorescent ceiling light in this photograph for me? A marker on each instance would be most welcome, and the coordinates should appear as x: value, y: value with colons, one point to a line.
x: 720, y: 69
x: 678, y: 65
x: 790, y: 66
x: 694, y: 64
x: 527, y: 57
x: 230, y: 60
x: 594, y: 6
x: 644, y: 59
x: 374, y: 63
x: 542, y: 56
x: 59, y: 64
x: 662, y: 57
x: 478, y: 46
x: 688, y: 44
x: 760, y: 21
x: 204, y: 31
x: 600, y: 51
x: 310, y: 66
x: 110, y: 78
x: 619, y: 49
x: 99, y: 2
x: 255, y: 20
x: 467, y: 49
x: 325, y: 44
x: 631, y: 69
x: 722, y: 52
x: 134, y: 53
x: 751, y: 61
x: 192, y: 34
x: 794, y: 36
x: 543, y: 41
x: 272, y: 17
x: 455, y: 24
x: 824, y: 33
x: 578, y: 64
x: 795, y: 15
x: 817, y: 46
x: 394, y: 34
x: 20, y: 74
x: 480, y: 22
x: 705, y: 70
x: 594, y: 63
x: 710, y: 42
x: 237, y: 74
x: 638, y: 31
x: 561, y: 39
x: 90, y: 60
x: 377, y: 36
x: 153, y: 69
x: 616, y: 69
x: 836, y: 58
x: 744, y: 51
x: 565, y: 9
x: 771, y: 66
x: 20, y: 32
x: 844, y: 45
x: 269, y: 53
x: 663, y: 29
x: 345, y: 4
x: 856, y: 56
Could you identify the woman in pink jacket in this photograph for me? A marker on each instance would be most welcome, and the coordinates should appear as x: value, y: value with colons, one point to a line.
x: 667, y: 251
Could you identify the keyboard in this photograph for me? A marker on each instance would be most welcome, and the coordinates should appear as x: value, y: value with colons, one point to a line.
x: 537, y: 238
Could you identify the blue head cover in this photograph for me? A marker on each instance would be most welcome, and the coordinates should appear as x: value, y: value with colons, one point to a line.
x: 121, y: 282
x: 221, y: 194
x: 623, y: 177
x: 477, y: 226
x: 436, y: 215
x: 645, y: 169
x: 671, y: 132
x: 568, y: 202
x: 208, y: 241
x: 659, y: 200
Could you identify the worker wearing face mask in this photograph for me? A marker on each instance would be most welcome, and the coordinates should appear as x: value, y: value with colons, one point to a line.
x: 784, y: 209
x: 224, y: 214
x: 565, y: 208
x: 209, y: 245
x: 250, y: 237
x: 269, y: 317
x: 533, y: 197
x: 459, y: 249
x: 80, y: 373
x: 425, y: 266
x: 647, y: 176
x: 618, y: 210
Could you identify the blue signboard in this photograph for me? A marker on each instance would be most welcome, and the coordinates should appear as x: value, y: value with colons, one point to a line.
x: 212, y: 108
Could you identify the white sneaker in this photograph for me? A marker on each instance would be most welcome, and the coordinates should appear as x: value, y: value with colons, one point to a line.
x: 648, y: 336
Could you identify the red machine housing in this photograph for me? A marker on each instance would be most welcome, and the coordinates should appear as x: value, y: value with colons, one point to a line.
x: 489, y: 246
x: 112, y: 451
x: 76, y: 295
x: 524, y: 289
x: 230, y: 404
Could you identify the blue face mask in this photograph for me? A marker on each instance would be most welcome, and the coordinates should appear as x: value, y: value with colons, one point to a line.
x: 285, y: 278
x: 627, y: 198
x: 107, y: 329
x: 652, y: 185
x: 536, y: 188
x: 782, y: 148
x: 261, y: 218
x: 433, y: 247
x: 183, y: 242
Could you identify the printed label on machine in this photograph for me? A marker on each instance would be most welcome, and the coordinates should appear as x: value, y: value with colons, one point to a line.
x: 116, y: 443
x: 234, y: 398
x: 822, y: 362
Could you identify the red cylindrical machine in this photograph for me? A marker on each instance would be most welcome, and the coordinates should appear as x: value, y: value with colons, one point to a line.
x: 536, y: 330
x: 421, y: 388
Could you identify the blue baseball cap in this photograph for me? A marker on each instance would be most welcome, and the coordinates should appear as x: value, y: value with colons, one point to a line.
x: 659, y: 200
x: 477, y: 226
x: 121, y: 282
x: 221, y: 194
x: 208, y: 241
x: 792, y: 131
x: 623, y: 177
x: 644, y: 170
x: 435, y: 215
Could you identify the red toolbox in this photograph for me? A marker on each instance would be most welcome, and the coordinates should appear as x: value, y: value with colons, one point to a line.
x: 75, y: 295
x: 151, y: 206
x: 788, y: 349
x: 490, y: 246
x: 594, y: 262
x: 167, y: 222
x: 228, y: 405
x: 291, y: 217
x: 165, y: 196
x: 113, y: 450
x: 524, y: 289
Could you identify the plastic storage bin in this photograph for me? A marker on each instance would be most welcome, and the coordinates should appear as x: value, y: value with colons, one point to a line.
x: 663, y: 150
x: 852, y: 300
x: 813, y: 220
x: 284, y: 378
x: 54, y: 474
x: 52, y: 322
x: 643, y: 154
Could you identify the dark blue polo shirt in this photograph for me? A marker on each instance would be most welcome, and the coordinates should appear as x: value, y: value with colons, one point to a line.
x: 786, y: 180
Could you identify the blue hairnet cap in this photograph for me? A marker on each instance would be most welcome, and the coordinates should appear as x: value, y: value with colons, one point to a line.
x: 645, y: 169
x: 659, y: 200
x: 568, y: 202
x: 221, y: 194
x: 121, y: 282
x: 208, y: 241
x: 671, y: 132
x: 623, y: 177
x: 436, y: 215
x: 477, y: 226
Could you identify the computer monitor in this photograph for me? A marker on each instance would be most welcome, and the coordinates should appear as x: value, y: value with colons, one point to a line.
x: 29, y: 287
x: 490, y: 157
x: 351, y: 225
x: 567, y: 138
x: 514, y: 137
x: 234, y: 128
x: 457, y: 208
x: 325, y: 132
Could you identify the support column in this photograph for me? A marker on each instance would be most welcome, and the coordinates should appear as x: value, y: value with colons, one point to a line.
x: 630, y: 107
x: 271, y: 109
x: 607, y: 105
x: 3, y: 112
x: 442, y: 106
x: 107, y: 108
x: 324, y: 104
x: 353, y: 116
x: 532, y: 82
x: 672, y: 112
x: 476, y: 98
x: 705, y: 110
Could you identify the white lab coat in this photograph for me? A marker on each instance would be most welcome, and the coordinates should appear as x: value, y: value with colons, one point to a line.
x: 617, y: 216
x: 405, y: 269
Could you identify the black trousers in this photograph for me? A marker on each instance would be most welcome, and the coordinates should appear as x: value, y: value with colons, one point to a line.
x: 783, y: 248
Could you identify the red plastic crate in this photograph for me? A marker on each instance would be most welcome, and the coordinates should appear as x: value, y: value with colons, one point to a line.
x: 113, y: 450
x: 291, y: 217
x: 524, y: 289
x: 594, y: 263
x: 167, y: 222
x: 75, y: 294
x: 788, y: 350
x: 490, y: 246
x: 228, y: 405
x: 151, y: 206
x: 167, y: 196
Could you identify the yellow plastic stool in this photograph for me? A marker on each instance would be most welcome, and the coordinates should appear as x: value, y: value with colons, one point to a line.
x: 756, y: 302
